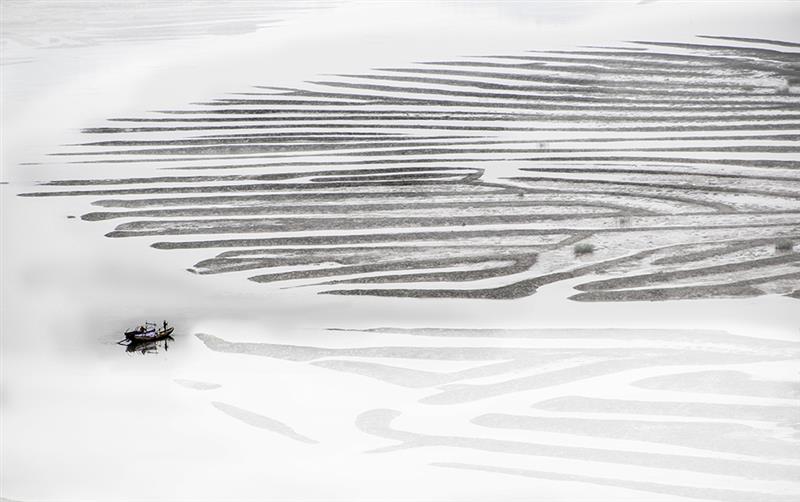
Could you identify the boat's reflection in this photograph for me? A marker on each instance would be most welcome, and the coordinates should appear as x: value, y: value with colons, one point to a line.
x: 148, y: 347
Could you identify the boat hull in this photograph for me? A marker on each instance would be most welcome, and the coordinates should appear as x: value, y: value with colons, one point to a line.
x: 149, y: 336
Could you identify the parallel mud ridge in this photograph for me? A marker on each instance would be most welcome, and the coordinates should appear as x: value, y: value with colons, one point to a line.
x: 475, y: 178
x: 688, y: 413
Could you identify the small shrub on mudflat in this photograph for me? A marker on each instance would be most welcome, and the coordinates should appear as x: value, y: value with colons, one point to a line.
x: 583, y: 248
x: 784, y: 245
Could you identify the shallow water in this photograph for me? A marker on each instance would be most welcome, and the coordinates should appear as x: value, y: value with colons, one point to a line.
x: 279, y: 392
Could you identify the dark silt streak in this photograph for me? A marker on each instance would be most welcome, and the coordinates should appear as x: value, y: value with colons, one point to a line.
x: 592, y: 67
x: 716, y: 59
x: 253, y: 187
x: 762, y: 126
x: 242, y: 107
x: 257, y: 116
x: 296, y: 224
x: 600, y: 139
x: 457, y: 248
x: 456, y: 234
x: 591, y: 223
x: 540, y: 113
x: 519, y: 263
x: 292, y: 198
x: 518, y: 266
x: 782, y: 43
x: 752, y: 52
x: 760, y: 163
x: 238, y: 149
x: 339, y: 115
x: 350, y: 239
x: 643, y: 57
x: 281, y: 161
x: 272, y: 151
x: 323, y: 209
x: 543, y: 101
x: 261, y: 422
x: 724, y: 249
x: 271, y: 138
x: 745, y: 288
x: 627, y: 77
x: 587, y: 81
x: 425, y: 150
x: 634, y: 94
x: 518, y: 101
x: 408, y: 159
x: 639, y: 281
x: 686, y: 187
x: 551, y: 98
x: 663, y: 172
x: 644, y: 54
x: 422, y: 172
x: 404, y: 155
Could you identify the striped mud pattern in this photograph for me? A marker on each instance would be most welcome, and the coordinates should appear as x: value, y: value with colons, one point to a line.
x: 694, y: 414
x: 676, y: 163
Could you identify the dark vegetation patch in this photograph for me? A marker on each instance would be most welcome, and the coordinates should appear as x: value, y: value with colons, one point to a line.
x: 784, y: 245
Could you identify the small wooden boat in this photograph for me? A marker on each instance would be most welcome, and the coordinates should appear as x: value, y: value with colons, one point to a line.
x: 148, y: 332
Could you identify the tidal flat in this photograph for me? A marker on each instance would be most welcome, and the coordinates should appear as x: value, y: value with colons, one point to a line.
x: 411, y: 251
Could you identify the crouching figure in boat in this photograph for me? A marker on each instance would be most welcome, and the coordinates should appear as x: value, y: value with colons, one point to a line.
x: 149, y: 332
